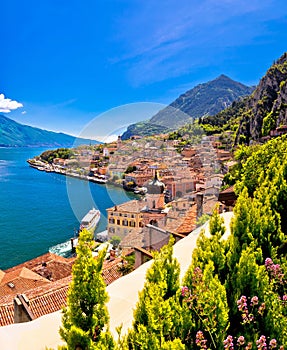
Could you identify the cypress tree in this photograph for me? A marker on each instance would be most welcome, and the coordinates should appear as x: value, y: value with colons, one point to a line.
x: 158, y: 318
x: 86, y: 317
x: 206, y: 304
x: 211, y: 248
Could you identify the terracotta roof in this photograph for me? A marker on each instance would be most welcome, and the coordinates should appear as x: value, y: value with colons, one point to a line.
x: 228, y: 190
x: 189, y: 222
x: 53, y: 299
x: 134, y: 206
x: 49, y: 302
x: 6, y: 314
x: 33, y: 263
x: 47, y: 296
x: 34, y: 273
x: 58, y: 269
x: 111, y: 270
x: 19, y: 281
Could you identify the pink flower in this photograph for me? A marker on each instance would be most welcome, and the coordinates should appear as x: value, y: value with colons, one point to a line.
x: 200, y: 340
x: 240, y: 340
x: 261, y: 343
x: 273, y: 344
x: 254, y: 301
x: 228, y: 343
x: 268, y: 262
x: 242, y: 304
x: 184, y: 291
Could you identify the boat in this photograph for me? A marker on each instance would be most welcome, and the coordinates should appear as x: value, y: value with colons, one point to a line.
x: 98, y: 179
x: 90, y: 220
x: 140, y: 190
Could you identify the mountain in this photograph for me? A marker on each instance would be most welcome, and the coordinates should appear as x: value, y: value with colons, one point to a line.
x: 13, y: 134
x: 266, y: 109
x: 258, y: 114
x: 204, y: 99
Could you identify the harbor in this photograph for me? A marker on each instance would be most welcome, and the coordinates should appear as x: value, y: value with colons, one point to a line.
x: 51, y: 168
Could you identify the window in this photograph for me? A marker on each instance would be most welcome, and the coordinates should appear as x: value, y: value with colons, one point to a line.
x: 111, y: 220
x: 125, y: 222
x: 132, y: 224
x: 118, y: 222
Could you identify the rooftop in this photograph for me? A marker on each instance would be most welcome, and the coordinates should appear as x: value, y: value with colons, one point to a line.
x: 133, y: 206
x: 123, y: 295
x: 45, y: 295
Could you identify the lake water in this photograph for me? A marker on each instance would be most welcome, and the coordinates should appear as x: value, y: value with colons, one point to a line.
x: 39, y: 210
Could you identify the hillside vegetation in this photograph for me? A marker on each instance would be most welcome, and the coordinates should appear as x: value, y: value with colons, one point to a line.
x: 204, y: 99
x: 258, y: 114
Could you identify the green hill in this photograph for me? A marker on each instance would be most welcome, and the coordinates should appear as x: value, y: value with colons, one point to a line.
x: 204, y: 99
x: 13, y: 134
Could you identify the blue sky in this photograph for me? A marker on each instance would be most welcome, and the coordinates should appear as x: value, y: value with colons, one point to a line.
x: 68, y: 62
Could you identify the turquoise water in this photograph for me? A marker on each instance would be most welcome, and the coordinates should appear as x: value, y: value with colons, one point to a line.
x: 39, y: 210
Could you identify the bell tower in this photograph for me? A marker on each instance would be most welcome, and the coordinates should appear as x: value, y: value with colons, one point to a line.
x: 155, y: 194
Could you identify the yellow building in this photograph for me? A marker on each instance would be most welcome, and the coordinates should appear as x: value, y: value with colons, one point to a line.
x: 129, y: 217
x: 125, y: 218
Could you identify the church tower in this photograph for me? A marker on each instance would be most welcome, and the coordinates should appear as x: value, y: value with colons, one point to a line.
x: 155, y: 194
x: 119, y: 142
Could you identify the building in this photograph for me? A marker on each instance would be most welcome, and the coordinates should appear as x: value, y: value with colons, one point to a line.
x: 127, y: 218
x: 39, y: 286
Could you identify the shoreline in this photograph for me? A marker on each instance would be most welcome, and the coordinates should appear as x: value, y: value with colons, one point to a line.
x: 49, y: 168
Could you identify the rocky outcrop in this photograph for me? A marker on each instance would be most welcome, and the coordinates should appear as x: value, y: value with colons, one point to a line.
x: 266, y: 108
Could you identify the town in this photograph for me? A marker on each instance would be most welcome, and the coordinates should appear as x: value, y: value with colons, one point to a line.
x: 178, y: 184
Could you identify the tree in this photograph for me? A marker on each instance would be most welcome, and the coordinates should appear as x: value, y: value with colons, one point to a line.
x: 202, y: 220
x: 211, y: 248
x: 206, y: 304
x: 115, y: 240
x: 86, y: 315
x: 158, y: 318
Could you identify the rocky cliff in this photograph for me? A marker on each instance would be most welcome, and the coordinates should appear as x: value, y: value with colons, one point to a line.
x: 266, y: 108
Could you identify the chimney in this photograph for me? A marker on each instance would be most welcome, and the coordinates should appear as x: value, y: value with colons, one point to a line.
x: 22, y: 311
x: 199, y: 205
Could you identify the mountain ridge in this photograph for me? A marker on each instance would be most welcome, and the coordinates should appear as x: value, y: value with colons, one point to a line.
x: 14, y: 134
x: 204, y: 99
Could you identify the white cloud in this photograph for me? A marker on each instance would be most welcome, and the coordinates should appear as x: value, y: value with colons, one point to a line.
x: 24, y: 112
x: 7, y: 105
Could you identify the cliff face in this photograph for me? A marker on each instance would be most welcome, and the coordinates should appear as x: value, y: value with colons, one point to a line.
x: 266, y: 108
